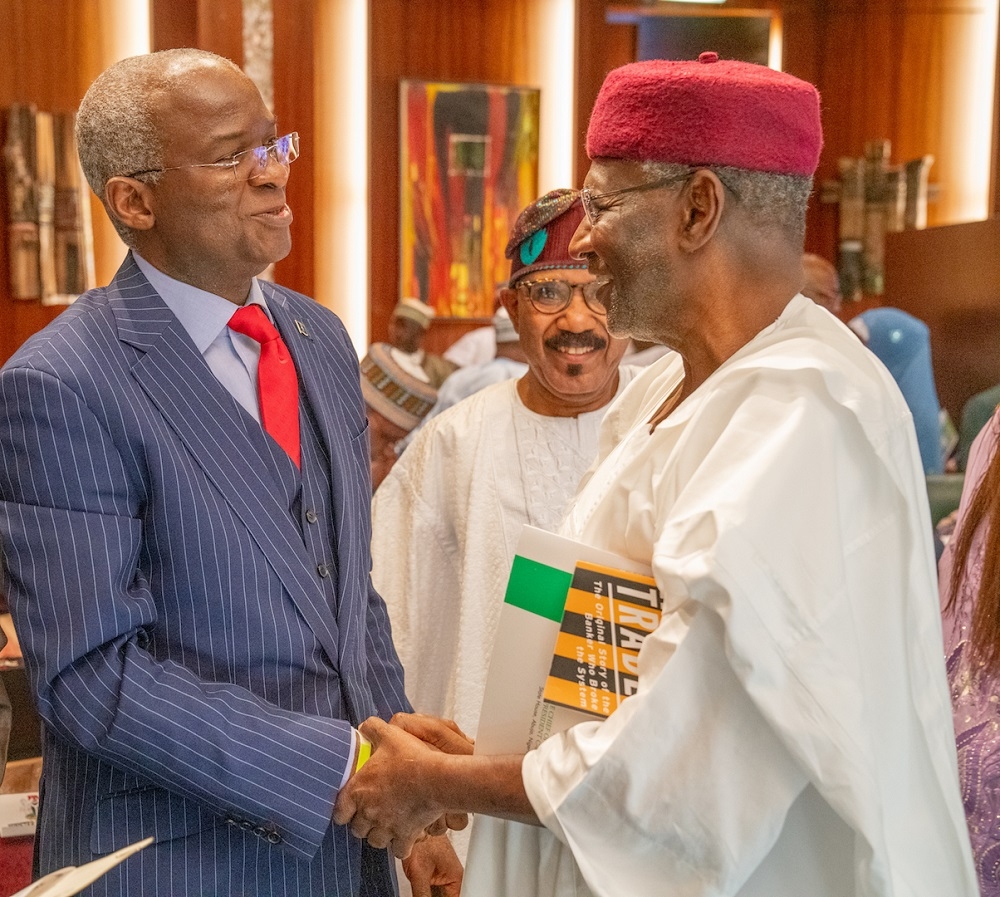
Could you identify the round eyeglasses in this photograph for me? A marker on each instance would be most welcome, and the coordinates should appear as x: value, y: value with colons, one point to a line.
x: 550, y: 297
x: 246, y: 164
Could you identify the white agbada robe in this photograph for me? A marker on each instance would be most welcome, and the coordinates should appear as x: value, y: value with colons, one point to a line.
x: 791, y: 734
x: 445, y: 524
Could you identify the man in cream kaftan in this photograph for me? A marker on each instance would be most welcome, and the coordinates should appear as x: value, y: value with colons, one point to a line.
x: 446, y: 520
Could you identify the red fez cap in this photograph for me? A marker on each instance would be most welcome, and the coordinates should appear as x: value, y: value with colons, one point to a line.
x: 540, y: 238
x: 709, y: 112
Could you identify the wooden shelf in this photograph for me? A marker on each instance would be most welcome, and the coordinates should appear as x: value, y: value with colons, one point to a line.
x: 634, y: 13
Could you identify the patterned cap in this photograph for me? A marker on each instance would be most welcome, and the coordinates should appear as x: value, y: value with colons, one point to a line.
x: 415, y: 310
x: 541, y: 235
x: 392, y: 391
x: 708, y: 112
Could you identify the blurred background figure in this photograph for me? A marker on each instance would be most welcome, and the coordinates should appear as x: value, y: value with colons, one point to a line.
x: 970, y: 601
x: 407, y: 328
x: 976, y: 413
x: 903, y: 344
x: 822, y: 284
x: 395, y: 402
x: 477, y: 346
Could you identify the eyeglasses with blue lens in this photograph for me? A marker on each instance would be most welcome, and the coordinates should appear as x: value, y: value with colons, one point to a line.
x: 246, y: 164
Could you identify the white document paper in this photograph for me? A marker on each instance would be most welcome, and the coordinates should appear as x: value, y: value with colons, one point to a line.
x: 73, y: 879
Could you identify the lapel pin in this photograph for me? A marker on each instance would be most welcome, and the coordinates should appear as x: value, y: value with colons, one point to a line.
x: 301, y: 328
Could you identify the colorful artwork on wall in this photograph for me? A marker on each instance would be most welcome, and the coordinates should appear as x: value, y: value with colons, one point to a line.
x: 468, y: 165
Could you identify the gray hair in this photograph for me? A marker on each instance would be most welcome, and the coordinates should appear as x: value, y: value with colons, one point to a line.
x: 770, y: 200
x: 116, y: 130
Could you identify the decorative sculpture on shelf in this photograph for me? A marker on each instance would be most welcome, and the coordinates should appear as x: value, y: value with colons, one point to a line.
x: 22, y: 202
x: 49, y: 235
x: 874, y: 198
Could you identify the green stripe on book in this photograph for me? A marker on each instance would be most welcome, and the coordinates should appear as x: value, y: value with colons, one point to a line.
x: 537, y: 588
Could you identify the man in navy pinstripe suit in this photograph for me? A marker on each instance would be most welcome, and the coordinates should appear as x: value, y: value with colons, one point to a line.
x: 194, y: 607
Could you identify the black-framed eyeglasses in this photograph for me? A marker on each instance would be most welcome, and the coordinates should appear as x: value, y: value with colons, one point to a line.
x: 246, y: 164
x: 550, y: 297
x: 589, y: 198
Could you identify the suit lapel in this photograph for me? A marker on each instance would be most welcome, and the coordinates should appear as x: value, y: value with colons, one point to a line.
x: 214, y: 429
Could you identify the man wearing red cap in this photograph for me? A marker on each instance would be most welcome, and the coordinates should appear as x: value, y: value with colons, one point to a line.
x: 791, y: 731
x: 446, y: 519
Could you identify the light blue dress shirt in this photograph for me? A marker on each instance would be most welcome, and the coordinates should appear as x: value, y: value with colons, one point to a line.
x: 232, y: 357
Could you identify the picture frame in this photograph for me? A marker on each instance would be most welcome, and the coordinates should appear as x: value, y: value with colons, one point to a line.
x: 468, y: 165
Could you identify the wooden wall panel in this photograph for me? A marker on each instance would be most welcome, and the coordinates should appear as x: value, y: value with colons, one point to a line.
x: 173, y: 24
x: 293, y: 106
x: 213, y: 25
x: 910, y: 94
x: 220, y: 27
x: 476, y: 40
x: 600, y: 48
x: 949, y: 277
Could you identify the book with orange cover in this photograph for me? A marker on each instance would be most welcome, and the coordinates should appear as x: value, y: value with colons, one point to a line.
x: 515, y: 716
x: 607, y: 615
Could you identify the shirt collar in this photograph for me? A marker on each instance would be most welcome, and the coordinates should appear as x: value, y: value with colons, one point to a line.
x: 202, y: 314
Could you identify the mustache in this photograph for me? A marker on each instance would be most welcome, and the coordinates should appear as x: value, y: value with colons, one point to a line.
x: 567, y: 339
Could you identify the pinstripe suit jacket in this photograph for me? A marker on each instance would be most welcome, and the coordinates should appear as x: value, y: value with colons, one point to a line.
x: 196, y: 669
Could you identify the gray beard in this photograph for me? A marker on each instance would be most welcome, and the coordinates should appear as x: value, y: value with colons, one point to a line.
x: 623, y: 317
x: 636, y: 312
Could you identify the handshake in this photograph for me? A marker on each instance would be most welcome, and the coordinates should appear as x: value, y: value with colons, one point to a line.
x: 403, y: 792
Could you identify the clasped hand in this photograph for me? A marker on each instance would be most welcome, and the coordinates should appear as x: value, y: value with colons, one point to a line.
x: 395, y: 799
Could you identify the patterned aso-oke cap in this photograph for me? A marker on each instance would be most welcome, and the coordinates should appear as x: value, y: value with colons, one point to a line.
x: 392, y: 391
x: 541, y: 234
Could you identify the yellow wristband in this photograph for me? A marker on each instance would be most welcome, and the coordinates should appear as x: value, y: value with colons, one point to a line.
x: 364, y: 751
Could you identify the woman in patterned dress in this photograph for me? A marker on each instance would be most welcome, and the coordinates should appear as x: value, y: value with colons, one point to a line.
x: 970, y: 602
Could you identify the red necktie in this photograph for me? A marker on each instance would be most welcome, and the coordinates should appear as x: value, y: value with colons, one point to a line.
x: 277, y: 382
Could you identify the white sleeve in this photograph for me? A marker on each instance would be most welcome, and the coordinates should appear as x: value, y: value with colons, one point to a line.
x: 658, y: 783
x: 414, y: 572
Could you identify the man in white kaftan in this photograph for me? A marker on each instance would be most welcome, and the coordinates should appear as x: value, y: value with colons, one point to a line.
x: 445, y: 524
x: 791, y: 731
x: 769, y: 501
x: 446, y: 520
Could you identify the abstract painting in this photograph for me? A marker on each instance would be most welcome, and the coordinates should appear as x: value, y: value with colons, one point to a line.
x: 468, y: 165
